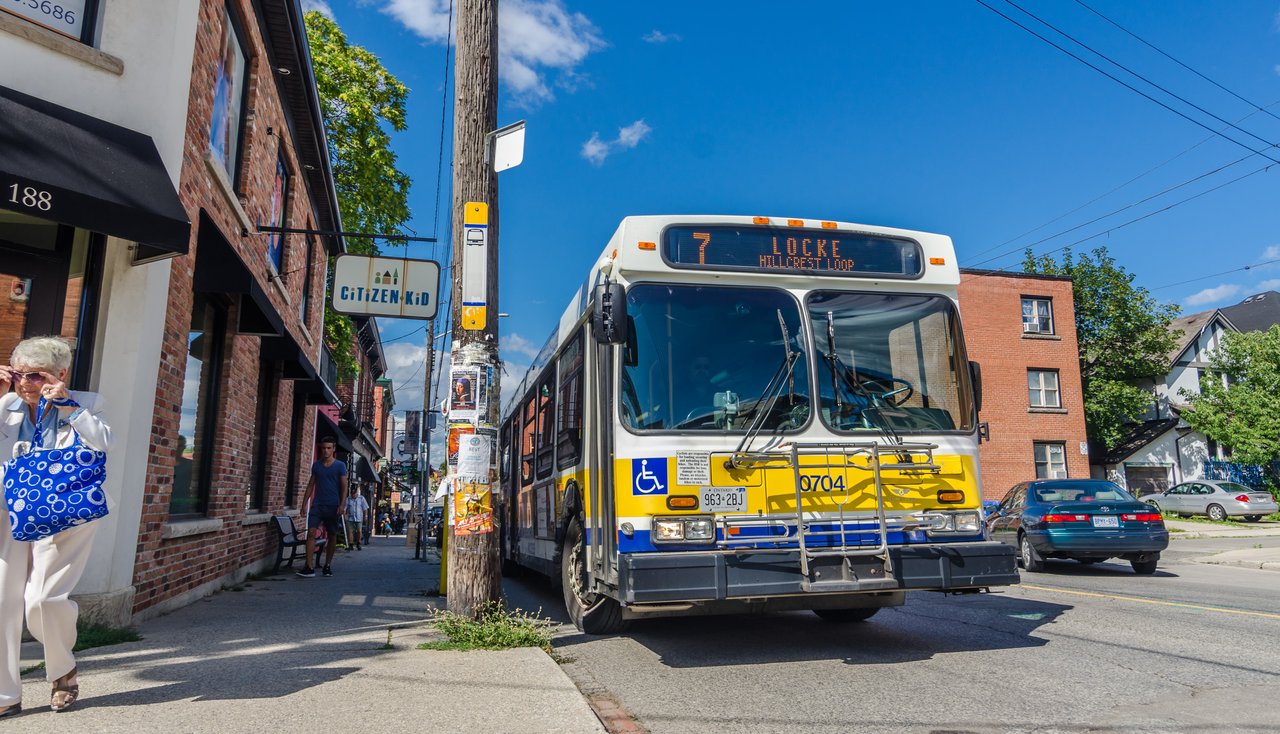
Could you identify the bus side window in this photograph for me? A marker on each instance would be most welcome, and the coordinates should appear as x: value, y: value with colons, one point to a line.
x: 526, y: 442
x: 569, y: 415
x: 546, y: 399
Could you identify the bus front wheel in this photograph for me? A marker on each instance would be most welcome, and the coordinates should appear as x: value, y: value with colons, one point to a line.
x: 592, y: 613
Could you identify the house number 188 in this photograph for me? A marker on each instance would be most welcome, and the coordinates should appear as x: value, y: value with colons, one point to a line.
x: 31, y: 197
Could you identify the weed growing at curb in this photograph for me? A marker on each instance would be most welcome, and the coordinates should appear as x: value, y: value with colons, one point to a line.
x: 495, y: 628
x: 31, y: 669
x: 388, y: 645
x: 89, y: 635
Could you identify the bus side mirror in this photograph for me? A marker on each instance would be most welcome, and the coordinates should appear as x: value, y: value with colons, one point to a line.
x: 975, y: 377
x: 609, y: 314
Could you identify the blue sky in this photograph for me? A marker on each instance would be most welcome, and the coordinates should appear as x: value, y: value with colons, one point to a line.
x: 934, y: 115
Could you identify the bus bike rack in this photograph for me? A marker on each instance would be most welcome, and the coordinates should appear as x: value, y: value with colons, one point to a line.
x: 847, y: 564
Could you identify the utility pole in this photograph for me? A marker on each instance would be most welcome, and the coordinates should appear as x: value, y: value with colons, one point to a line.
x: 474, y: 564
x: 424, y: 466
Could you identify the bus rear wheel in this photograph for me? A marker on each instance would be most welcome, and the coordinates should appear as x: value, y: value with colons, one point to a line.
x: 594, y: 614
x: 842, y: 616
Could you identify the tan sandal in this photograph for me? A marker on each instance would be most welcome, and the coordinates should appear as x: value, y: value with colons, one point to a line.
x: 12, y: 709
x: 65, y: 693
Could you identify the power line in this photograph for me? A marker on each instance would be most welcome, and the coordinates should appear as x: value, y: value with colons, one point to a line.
x: 1216, y: 275
x: 1151, y: 46
x: 1127, y: 207
x: 444, y: 110
x: 1125, y: 84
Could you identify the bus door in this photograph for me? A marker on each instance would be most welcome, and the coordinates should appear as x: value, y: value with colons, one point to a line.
x: 601, y: 519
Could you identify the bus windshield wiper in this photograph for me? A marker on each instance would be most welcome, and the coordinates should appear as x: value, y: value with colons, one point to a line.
x: 840, y: 372
x: 782, y: 377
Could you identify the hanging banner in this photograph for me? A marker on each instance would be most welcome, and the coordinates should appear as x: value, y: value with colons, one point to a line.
x: 412, y: 431
x: 386, y: 286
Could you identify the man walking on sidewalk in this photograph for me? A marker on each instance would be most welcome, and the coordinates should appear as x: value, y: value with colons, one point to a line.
x: 328, y: 484
x: 357, y: 509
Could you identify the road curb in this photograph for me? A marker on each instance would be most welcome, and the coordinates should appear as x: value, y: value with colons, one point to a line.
x: 1260, y: 565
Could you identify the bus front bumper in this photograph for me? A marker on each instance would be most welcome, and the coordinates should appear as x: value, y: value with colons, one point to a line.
x: 688, y: 576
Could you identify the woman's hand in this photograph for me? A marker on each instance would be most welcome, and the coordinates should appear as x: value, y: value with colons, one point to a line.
x: 55, y: 389
x: 6, y: 378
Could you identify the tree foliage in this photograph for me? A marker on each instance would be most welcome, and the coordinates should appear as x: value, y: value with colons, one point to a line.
x: 361, y: 102
x: 1123, y: 335
x: 1242, y: 412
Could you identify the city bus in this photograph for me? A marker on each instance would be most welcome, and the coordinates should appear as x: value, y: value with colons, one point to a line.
x: 750, y: 414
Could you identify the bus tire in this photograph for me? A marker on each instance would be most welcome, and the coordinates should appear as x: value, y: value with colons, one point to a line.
x: 593, y: 614
x: 844, y: 616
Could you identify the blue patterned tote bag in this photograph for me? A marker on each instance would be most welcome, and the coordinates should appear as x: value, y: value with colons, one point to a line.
x: 50, y: 490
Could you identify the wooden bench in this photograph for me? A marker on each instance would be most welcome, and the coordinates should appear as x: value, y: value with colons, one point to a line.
x: 293, y: 539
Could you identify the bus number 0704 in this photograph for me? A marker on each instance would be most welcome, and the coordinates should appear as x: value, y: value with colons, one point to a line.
x: 821, y: 483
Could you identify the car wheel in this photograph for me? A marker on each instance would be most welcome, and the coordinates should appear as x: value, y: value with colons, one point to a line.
x: 1144, y: 567
x: 1252, y: 518
x: 1031, y: 560
x: 1216, y: 512
x: 844, y: 616
x: 592, y: 613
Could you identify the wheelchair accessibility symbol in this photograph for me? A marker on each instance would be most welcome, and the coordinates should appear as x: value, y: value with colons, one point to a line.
x: 649, y: 476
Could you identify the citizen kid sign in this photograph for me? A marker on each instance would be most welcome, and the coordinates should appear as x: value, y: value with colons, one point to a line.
x: 386, y: 286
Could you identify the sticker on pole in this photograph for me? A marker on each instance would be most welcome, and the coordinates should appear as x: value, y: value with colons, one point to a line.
x: 475, y: 265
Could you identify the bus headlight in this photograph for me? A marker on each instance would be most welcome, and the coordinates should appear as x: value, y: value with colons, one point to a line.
x: 968, y: 522
x: 942, y: 523
x: 687, y: 529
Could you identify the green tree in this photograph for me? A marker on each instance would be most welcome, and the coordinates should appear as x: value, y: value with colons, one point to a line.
x: 1241, y: 412
x: 361, y: 103
x: 1123, y: 334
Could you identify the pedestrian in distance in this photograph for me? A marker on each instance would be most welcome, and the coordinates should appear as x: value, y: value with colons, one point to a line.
x: 325, y: 490
x: 357, y: 508
x: 37, y: 577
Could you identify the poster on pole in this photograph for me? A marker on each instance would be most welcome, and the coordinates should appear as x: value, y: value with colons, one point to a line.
x: 463, y: 394
x: 453, y: 445
x: 412, y: 431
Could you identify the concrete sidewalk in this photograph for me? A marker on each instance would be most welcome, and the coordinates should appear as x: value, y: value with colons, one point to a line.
x: 1267, y: 532
x: 287, y: 653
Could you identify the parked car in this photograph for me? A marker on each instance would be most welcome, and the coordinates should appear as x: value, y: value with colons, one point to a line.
x: 1219, y: 499
x: 1087, y: 520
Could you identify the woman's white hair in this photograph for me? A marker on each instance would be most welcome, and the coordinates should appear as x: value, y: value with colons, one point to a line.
x: 50, y: 352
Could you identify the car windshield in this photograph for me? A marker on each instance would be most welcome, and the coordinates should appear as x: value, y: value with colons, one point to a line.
x: 890, y: 362
x: 1232, y: 487
x: 702, y: 358
x: 1081, y: 492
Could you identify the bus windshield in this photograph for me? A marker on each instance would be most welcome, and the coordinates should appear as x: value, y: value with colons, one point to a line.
x: 701, y: 358
x: 889, y: 362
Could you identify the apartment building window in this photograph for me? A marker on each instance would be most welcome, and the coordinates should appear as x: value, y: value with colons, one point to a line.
x: 1037, y: 315
x: 1043, y: 388
x: 230, y: 85
x: 1051, y: 460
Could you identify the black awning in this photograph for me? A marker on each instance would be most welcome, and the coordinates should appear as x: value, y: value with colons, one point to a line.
x: 219, y: 269
x: 326, y: 427
x: 98, y: 176
x: 365, y: 471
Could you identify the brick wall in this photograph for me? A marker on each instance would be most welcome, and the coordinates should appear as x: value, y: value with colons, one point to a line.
x: 168, y: 567
x: 991, y: 309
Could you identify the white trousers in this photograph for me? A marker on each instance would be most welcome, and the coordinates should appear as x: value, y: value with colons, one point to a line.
x: 36, y: 579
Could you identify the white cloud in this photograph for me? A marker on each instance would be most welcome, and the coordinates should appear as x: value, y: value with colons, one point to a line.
x: 657, y: 36
x: 596, y: 150
x: 317, y: 5
x: 519, y: 345
x: 1268, y: 285
x: 535, y: 36
x: 1271, y: 253
x: 1213, y: 295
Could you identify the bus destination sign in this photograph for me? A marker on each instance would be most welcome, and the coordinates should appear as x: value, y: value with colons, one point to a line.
x: 792, y: 250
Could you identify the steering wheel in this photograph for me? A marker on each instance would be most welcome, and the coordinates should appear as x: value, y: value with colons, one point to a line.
x: 883, y: 389
x: 699, y: 413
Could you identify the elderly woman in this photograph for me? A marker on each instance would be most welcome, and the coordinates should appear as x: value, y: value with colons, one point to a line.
x: 38, y: 577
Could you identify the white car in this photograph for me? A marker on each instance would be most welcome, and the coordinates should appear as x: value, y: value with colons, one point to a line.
x: 1219, y: 499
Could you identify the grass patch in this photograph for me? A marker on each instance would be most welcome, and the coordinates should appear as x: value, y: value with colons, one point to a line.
x: 1230, y: 523
x: 494, y: 629
x: 89, y: 635
x: 31, y: 669
x: 388, y: 645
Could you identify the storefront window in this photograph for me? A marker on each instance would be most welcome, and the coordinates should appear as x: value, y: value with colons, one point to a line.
x: 192, y: 465
x: 228, y: 97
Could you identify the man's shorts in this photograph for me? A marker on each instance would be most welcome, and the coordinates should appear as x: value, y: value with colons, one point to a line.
x: 327, y: 516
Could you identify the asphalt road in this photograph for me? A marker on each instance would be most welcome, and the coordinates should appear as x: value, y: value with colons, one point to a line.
x: 1194, y: 648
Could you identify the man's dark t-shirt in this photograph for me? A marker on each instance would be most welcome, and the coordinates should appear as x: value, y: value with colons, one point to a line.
x: 328, y: 487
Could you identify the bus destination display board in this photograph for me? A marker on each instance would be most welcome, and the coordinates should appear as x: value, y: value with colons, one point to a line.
x: 792, y: 250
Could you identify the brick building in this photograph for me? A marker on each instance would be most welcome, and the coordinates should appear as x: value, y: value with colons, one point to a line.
x: 1021, y: 328
x: 155, y: 139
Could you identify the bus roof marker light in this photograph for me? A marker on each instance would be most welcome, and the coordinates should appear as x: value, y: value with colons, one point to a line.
x: 937, y: 261
x: 828, y: 225
x: 759, y: 220
x: 795, y: 222
x: 647, y: 245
